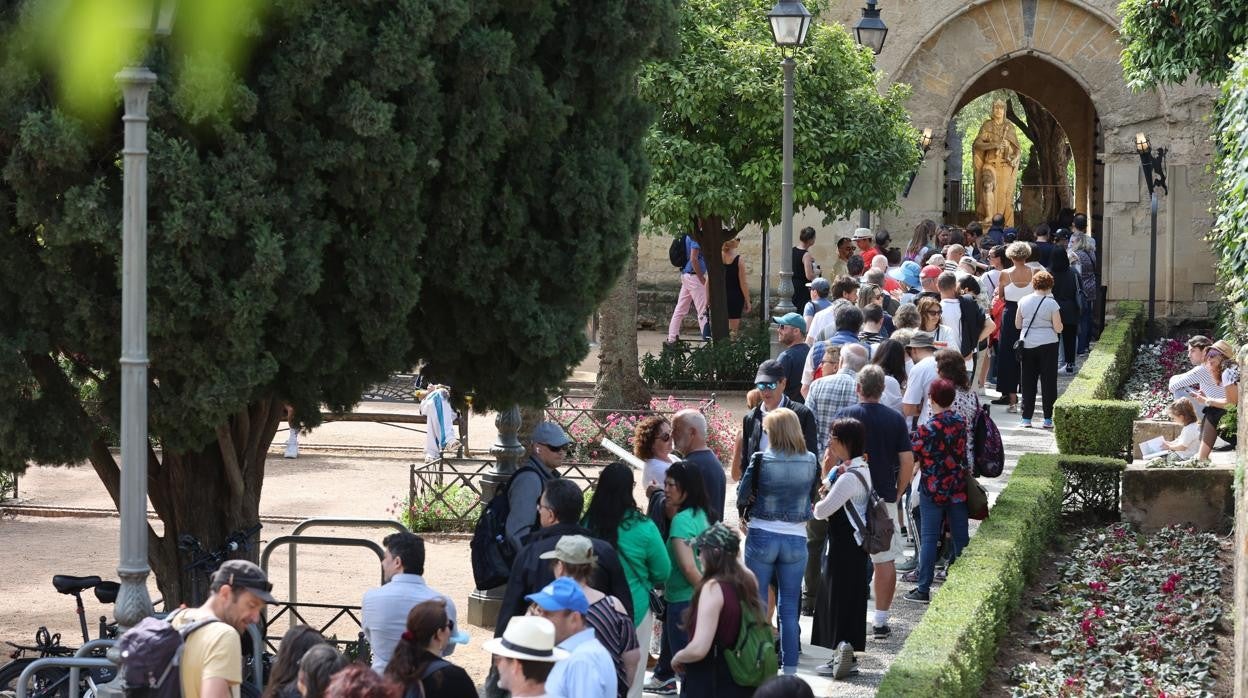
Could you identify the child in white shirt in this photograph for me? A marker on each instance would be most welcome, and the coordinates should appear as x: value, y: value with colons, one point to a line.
x: 1188, y: 442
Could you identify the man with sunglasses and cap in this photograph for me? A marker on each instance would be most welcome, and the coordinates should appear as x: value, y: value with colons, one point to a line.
x: 212, y: 656
x: 549, y: 443
x: 525, y: 655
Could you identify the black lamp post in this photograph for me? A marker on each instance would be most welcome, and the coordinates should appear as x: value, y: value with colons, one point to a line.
x: 790, y: 20
x: 870, y: 30
x: 1153, y: 163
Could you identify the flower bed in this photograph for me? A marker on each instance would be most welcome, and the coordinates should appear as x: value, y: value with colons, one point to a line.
x: 1131, y: 615
x: 1149, y: 382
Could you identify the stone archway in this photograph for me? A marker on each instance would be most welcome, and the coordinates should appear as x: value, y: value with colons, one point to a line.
x: 1064, y: 97
x: 1064, y: 54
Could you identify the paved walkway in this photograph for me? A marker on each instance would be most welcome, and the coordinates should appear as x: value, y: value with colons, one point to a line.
x: 874, y: 663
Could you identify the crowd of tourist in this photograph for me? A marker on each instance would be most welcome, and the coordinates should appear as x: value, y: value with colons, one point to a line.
x: 873, y: 398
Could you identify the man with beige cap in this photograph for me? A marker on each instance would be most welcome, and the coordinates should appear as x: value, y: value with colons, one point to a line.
x: 525, y: 656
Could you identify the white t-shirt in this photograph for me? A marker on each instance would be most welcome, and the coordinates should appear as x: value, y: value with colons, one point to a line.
x: 1188, y: 441
x: 655, y: 470
x: 891, y: 397
x: 952, y: 318
x: 917, y: 383
x: 825, y: 320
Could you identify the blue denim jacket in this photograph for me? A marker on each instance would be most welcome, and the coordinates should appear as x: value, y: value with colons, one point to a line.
x: 786, y: 484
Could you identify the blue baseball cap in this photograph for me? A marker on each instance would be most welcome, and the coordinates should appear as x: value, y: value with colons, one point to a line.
x: 907, y: 273
x: 563, y: 594
x: 792, y: 320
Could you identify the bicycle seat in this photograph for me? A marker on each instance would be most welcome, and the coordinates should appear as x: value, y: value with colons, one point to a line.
x: 106, y: 592
x: 66, y: 584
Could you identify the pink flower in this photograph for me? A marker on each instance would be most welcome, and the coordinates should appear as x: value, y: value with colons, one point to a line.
x: 1098, y: 586
x: 1090, y: 640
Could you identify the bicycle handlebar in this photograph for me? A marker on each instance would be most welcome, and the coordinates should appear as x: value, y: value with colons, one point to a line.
x: 209, y: 561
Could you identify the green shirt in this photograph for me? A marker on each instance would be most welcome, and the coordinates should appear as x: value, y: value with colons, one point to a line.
x: 686, y: 526
x: 644, y: 558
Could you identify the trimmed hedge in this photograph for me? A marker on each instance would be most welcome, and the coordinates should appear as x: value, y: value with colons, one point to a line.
x: 952, y: 649
x: 1090, y: 420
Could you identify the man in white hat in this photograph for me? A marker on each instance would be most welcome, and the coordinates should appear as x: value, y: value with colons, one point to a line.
x: 525, y: 656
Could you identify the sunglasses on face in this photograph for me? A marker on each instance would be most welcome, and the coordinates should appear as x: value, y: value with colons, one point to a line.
x: 767, y: 386
x: 932, y: 312
x: 556, y: 449
x: 665, y: 436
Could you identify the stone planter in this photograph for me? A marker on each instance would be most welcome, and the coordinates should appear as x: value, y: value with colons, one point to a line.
x: 1145, y: 429
x: 1159, y: 497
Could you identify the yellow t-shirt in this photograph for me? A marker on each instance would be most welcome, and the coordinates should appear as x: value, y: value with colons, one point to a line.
x: 213, y: 651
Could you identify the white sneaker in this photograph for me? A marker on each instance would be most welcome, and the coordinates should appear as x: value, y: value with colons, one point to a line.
x: 843, y: 662
x: 292, y: 451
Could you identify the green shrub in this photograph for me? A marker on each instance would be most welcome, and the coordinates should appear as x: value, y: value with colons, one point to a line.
x: 1092, y: 486
x: 726, y: 364
x: 955, y: 645
x: 1090, y: 420
x: 452, y: 509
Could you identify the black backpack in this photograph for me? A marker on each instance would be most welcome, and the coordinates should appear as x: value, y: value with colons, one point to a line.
x: 972, y: 324
x: 678, y: 252
x: 492, y: 553
x: 151, y: 657
x: 416, y: 689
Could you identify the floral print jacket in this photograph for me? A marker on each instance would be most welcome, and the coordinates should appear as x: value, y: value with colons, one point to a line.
x: 940, y: 454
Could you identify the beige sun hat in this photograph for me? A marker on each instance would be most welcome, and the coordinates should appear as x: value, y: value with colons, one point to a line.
x: 530, y: 638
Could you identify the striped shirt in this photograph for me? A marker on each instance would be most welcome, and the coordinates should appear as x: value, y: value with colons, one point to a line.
x: 614, y: 629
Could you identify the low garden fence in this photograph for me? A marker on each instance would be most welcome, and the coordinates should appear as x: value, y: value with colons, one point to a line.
x: 445, y: 495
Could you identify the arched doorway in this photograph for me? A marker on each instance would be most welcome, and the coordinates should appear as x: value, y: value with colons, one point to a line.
x: 1058, y: 93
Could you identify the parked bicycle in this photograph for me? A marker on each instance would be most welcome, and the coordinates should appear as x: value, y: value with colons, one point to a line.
x: 202, y: 565
x: 53, y: 682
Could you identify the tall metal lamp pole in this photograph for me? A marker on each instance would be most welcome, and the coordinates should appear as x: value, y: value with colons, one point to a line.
x: 870, y: 31
x: 790, y: 20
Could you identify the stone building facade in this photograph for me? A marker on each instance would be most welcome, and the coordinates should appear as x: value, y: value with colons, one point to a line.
x: 1065, y: 55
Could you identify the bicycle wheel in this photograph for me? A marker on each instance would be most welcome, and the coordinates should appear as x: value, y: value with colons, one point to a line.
x: 52, y: 682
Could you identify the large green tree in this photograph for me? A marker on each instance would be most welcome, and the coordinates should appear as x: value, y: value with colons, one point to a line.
x: 387, y: 182
x: 1165, y: 42
x: 716, y: 143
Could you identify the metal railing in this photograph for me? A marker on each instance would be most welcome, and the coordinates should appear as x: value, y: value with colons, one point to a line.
x: 74, y: 664
x: 292, y: 575
x: 291, y: 608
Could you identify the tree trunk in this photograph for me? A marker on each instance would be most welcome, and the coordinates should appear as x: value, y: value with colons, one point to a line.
x: 1051, y: 155
x: 207, y: 494
x: 711, y: 235
x: 619, y: 385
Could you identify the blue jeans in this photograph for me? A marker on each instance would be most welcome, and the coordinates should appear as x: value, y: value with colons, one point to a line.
x: 774, y: 555
x: 932, y: 517
x: 675, y: 637
x: 1085, y: 327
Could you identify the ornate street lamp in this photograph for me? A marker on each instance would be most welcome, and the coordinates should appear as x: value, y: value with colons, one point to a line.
x: 870, y: 30
x: 133, y: 603
x: 1153, y: 163
x: 790, y: 20
x: 925, y: 144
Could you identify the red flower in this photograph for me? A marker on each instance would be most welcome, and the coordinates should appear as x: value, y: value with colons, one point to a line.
x: 1091, y: 640
x: 1098, y: 586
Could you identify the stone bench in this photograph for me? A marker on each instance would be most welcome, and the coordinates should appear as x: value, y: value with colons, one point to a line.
x: 1159, y: 497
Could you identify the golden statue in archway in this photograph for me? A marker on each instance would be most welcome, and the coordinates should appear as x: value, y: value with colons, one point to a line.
x: 995, y: 163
